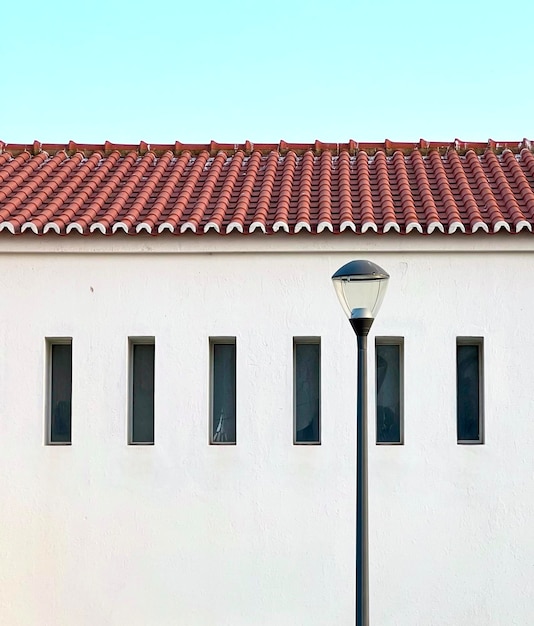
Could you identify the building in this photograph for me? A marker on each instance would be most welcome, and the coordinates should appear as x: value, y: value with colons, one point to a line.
x: 142, y: 285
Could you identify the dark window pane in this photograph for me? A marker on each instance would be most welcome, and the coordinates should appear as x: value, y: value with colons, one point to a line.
x: 468, y: 392
x: 307, y: 392
x: 388, y: 393
x: 60, y: 393
x: 223, y: 418
x: 143, y: 393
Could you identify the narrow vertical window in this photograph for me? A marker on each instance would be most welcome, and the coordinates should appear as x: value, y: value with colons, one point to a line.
x: 142, y: 353
x: 307, y: 390
x: 389, y: 352
x: 469, y: 389
x: 60, y: 391
x: 223, y: 391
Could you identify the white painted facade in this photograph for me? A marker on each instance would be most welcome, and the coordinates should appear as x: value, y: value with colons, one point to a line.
x: 262, y: 533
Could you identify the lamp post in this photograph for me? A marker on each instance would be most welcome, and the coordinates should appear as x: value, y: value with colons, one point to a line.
x: 360, y: 287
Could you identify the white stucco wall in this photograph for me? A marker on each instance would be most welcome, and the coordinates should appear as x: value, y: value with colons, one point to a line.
x: 262, y: 533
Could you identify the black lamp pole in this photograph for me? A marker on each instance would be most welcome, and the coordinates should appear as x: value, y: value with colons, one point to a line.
x: 360, y: 287
x: 361, y: 327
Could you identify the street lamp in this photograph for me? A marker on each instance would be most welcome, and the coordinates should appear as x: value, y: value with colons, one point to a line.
x: 360, y: 287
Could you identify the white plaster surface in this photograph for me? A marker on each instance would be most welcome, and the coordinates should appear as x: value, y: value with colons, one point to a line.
x: 262, y: 533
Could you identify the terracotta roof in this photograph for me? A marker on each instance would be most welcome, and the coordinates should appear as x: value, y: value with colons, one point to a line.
x: 425, y: 187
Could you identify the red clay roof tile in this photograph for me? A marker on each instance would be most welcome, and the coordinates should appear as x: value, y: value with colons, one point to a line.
x: 379, y: 187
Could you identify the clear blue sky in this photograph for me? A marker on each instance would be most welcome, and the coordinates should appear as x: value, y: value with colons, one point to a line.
x: 297, y: 70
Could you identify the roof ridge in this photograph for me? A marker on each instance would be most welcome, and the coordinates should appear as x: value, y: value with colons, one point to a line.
x: 282, y: 147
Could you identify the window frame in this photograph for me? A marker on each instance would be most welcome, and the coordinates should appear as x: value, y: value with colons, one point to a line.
x: 213, y: 341
x: 393, y: 340
x: 302, y: 340
x: 479, y: 343
x: 50, y: 342
x: 132, y: 342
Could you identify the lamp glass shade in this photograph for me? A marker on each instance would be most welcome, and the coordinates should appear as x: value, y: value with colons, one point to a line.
x: 360, y: 287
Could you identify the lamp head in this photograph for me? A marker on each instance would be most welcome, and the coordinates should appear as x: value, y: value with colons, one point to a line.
x: 360, y: 287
